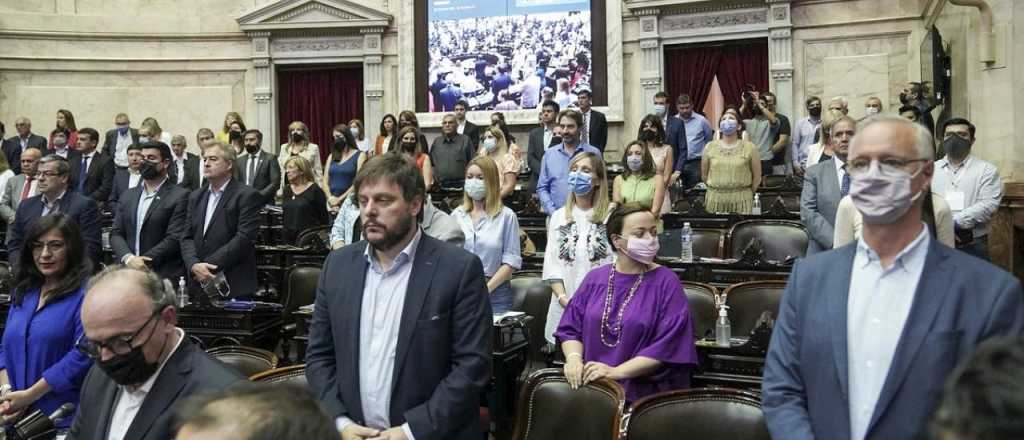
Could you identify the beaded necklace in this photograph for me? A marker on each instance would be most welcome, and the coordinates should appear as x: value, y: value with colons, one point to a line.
x: 614, y: 330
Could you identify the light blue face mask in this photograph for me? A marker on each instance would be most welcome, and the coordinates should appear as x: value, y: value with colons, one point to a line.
x: 580, y: 183
x: 476, y: 189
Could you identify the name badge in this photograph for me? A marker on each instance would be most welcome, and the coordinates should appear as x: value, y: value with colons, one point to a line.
x: 955, y: 199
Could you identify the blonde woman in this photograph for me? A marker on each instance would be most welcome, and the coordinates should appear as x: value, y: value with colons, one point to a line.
x: 304, y: 204
x: 491, y: 230
x: 731, y: 168
x: 576, y: 235
x: 155, y: 132
x: 355, y: 127
x: 224, y: 135
x: 299, y: 145
x: 494, y: 145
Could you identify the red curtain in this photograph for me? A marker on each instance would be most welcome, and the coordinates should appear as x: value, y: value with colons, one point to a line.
x: 742, y: 64
x: 692, y: 69
x: 321, y: 98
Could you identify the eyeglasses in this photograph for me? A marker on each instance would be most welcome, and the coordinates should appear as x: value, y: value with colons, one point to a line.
x: 119, y: 345
x: 54, y: 246
x: 860, y: 167
x: 50, y: 173
x: 962, y: 134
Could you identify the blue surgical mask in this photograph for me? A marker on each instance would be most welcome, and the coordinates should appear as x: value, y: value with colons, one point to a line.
x: 476, y: 189
x: 580, y: 183
x: 122, y: 129
x: 490, y: 144
x: 634, y: 163
x: 728, y: 126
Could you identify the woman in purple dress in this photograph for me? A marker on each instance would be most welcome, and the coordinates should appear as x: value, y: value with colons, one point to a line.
x: 629, y: 320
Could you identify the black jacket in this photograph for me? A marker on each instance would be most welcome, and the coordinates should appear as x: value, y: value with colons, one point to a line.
x: 162, y: 229
x: 268, y: 175
x: 99, y: 179
x: 12, y: 149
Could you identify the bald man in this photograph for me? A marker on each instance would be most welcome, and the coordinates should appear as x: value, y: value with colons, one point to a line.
x: 143, y: 363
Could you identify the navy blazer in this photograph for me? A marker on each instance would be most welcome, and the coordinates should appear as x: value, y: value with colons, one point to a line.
x: 81, y: 209
x: 675, y: 136
x: 443, y: 355
x: 99, y: 178
x: 188, y: 371
x: 162, y: 229
x: 122, y: 177
x: 12, y: 149
x: 960, y: 301
x: 230, y: 241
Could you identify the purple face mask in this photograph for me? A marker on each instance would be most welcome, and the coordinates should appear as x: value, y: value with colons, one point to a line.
x: 883, y: 194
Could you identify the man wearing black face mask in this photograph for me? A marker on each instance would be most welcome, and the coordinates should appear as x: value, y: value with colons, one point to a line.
x: 803, y: 134
x: 150, y: 220
x: 258, y: 169
x: 971, y: 187
x: 144, y: 364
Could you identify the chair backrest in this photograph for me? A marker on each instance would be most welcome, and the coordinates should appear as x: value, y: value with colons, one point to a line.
x: 747, y: 301
x: 535, y: 302
x: 550, y: 410
x: 302, y: 281
x: 701, y: 300
x: 781, y: 238
x: 318, y: 237
x: 707, y: 243
x: 245, y: 360
x: 700, y: 413
x: 522, y: 282
x: 294, y: 374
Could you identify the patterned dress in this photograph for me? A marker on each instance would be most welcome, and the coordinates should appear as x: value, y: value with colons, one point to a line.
x: 729, y: 177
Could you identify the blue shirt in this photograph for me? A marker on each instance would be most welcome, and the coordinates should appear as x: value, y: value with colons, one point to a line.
x: 698, y: 134
x: 553, y: 181
x: 495, y: 239
x: 41, y: 344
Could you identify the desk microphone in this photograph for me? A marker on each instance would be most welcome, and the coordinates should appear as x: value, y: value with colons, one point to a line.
x: 36, y: 426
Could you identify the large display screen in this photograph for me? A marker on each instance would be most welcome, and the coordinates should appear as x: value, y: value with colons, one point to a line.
x: 507, y: 54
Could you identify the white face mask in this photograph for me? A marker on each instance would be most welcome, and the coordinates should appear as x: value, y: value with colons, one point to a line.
x: 476, y: 189
x: 659, y: 109
x: 870, y: 111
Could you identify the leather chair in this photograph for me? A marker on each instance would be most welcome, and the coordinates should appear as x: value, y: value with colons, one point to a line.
x: 317, y: 237
x: 773, y: 182
x: 550, y: 410
x: 707, y: 243
x: 6, y: 278
x: 294, y: 374
x: 245, y: 360
x: 301, y: 291
x: 781, y: 239
x: 521, y: 282
x: 534, y: 302
x: 700, y: 413
x: 703, y: 310
x: 748, y: 300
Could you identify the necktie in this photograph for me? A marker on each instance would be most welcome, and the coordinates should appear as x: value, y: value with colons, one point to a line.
x: 84, y: 172
x: 252, y: 170
x: 586, y: 128
x: 845, y: 188
x: 27, y: 188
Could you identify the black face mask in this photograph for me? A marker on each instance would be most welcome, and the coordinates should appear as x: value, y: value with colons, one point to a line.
x: 234, y: 136
x: 956, y: 147
x: 339, y: 144
x: 647, y: 136
x: 148, y: 170
x: 408, y: 147
x: 252, y: 149
x: 130, y: 368
x: 815, y: 112
x: 296, y: 137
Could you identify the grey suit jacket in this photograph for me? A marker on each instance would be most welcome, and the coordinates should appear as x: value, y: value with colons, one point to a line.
x: 960, y: 301
x: 819, y: 203
x: 12, y: 197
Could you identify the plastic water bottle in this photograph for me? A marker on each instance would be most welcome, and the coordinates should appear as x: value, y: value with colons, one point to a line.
x: 686, y: 243
x: 757, y: 205
x: 182, y: 293
x: 723, y: 329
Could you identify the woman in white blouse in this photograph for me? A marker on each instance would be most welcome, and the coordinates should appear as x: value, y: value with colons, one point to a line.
x: 299, y: 145
x: 576, y: 235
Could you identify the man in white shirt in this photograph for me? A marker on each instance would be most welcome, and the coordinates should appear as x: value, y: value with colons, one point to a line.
x: 143, y: 363
x: 118, y: 139
x: 466, y: 128
x: 971, y: 187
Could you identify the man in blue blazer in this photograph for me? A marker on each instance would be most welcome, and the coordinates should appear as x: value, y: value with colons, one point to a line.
x: 399, y: 347
x: 54, y: 176
x: 868, y: 333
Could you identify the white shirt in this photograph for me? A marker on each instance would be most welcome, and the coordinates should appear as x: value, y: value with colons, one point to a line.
x: 145, y: 200
x: 251, y: 169
x: 383, y: 302
x: 121, y: 148
x: 462, y: 127
x: 134, y: 178
x: 211, y: 203
x: 549, y: 132
x: 877, y: 308
x: 128, y: 401
x: 179, y: 163
x: 980, y: 187
x: 840, y: 170
x: 62, y: 152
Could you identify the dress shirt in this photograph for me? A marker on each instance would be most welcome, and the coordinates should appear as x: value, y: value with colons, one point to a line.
x: 698, y: 134
x: 121, y: 148
x: 840, y: 169
x: 128, y: 400
x: 462, y: 127
x: 803, y: 137
x: 553, y: 181
x: 134, y: 177
x: 54, y: 206
x: 211, y: 203
x: 31, y: 188
x: 179, y: 164
x: 982, y: 190
x: 549, y: 132
x: 495, y: 239
x: 380, y: 319
x: 84, y: 171
x: 62, y: 152
x: 877, y: 308
x: 251, y: 166
x: 585, y: 128
x: 145, y: 200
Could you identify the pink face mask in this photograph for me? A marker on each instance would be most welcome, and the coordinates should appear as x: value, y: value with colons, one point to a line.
x: 642, y: 249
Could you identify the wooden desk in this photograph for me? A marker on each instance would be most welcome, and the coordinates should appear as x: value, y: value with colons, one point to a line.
x: 214, y: 326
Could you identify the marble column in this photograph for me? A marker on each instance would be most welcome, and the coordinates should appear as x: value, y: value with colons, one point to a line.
x: 373, y: 81
x: 651, y: 70
x: 780, y: 56
x: 263, y: 89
